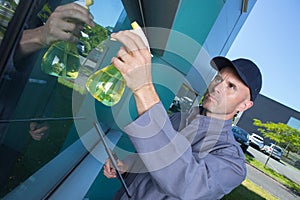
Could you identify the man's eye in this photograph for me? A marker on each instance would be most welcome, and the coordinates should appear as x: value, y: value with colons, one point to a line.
x: 218, y: 79
x: 232, y: 86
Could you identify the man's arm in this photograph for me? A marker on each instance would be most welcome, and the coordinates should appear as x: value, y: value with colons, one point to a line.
x: 168, y: 155
x: 145, y: 98
x: 176, y: 169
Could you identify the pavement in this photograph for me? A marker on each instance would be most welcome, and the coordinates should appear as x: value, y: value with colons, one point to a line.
x: 269, y: 184
x: 280, y: 167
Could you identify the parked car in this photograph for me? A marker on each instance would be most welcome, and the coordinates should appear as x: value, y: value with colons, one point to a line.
x: 274, y: 149
x: 256, y: 141
x: 241, y: 136
x: 175, y: 106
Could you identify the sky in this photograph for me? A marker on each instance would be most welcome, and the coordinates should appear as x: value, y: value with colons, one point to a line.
x: 108, y: 14
x: 271, y: 38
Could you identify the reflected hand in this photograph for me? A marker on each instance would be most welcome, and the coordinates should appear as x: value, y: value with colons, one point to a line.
x: 38, y: 131
x: 110, y: 172
x: 65, y: 24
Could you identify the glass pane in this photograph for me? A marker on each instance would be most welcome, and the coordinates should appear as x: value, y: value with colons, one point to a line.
x: 277, y: 148
x: 37, y: 117
x: 108, y: 14
x: 184, y: 99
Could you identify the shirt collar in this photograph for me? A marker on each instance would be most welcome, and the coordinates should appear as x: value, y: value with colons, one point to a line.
x: 208, y: 122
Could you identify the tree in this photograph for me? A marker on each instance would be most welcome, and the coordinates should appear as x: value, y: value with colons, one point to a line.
x: 93, y: 37
x: 45, y: 13
x: 281, y: 133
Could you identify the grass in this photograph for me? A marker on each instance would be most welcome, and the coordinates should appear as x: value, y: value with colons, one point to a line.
x: 249, y: 191
x: 280, y: 178
x: 291, y: 158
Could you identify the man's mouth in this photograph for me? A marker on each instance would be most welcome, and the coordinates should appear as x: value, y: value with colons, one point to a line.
x: 211, y: 97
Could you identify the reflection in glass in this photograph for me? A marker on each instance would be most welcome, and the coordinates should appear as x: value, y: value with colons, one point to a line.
x: 7, y: 9
x: 62, y: 60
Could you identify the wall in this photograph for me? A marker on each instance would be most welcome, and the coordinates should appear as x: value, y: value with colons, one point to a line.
x: 266, y: 110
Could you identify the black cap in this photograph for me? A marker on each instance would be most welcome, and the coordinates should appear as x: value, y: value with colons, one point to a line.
x: 246, y: 69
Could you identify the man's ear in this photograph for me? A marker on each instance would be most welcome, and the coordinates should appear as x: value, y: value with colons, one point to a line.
x: 245, y: 105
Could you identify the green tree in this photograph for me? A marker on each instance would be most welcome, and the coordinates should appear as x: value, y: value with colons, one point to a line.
x: 13, y: 4
x: 281, y: 133
x: 109, y: 29
x: 93, y: 37
x: 45, y: 13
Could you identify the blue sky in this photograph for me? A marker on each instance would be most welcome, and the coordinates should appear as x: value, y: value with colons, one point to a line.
x: 271, y: 38
x: 111, y: 8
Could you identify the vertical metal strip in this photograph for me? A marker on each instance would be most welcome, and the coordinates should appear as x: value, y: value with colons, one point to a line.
x: 142, y: 15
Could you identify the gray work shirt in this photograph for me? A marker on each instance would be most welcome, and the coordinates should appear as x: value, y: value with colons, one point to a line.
x: 184, y: 157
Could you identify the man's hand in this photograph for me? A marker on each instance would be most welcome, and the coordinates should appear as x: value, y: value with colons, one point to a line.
x: 110, y: 172
x: 65, y: 24
x: 38, y: 131
x: 134, y: 62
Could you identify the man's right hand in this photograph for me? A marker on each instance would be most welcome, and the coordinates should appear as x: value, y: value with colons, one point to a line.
x: 134, y: 63
x: 110, y: 172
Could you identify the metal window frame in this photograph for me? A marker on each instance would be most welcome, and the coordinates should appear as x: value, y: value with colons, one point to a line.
x: 70, y: 174
x: 14, y: 31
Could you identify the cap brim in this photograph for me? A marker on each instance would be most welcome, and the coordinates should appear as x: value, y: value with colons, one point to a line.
x: 220, y: 62
x: 248, y: 72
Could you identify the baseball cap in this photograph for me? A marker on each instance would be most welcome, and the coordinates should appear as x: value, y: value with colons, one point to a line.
x: 246, y: 69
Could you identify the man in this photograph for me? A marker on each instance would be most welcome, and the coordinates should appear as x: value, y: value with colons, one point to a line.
x: 189, y: 157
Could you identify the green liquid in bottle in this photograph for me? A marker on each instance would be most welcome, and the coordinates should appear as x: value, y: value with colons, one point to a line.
x: 106, y: 85
x: 62, y: 60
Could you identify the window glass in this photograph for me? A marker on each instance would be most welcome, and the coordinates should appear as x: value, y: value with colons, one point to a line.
x: 184, y: 99
x: 277, y: 148
x: 37, y: 117
x: 7, y: 9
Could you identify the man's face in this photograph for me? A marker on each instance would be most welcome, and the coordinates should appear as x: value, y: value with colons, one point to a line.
x: 227, y: 94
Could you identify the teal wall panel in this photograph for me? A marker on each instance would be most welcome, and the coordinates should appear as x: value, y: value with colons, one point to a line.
x: 196, y: 17
x: 192, y: 24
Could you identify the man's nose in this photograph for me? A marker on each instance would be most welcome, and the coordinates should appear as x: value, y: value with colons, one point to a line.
x: 218, y: 87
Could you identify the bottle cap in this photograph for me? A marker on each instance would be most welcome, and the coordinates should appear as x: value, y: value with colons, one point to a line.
x: 88, y: 3
x: 138, y: 30
x: 135, y: 25
x: 85, y: 3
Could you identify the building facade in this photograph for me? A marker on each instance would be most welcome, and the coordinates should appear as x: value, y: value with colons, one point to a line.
x: 268, y: 110
x: 183, y: 34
